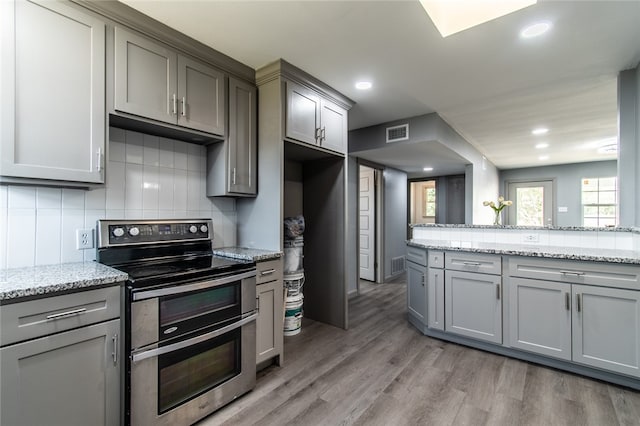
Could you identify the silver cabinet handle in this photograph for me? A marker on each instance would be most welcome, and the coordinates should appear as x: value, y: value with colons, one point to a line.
x: 258, y: 304
x: 498, y: 291
x: 267, y: 272
x: 577, y: 273
x: 67, y: 314
x: 318, y: 134
x: 193, y: 341
x: 175, y: 104
x: 114, y: 354
x: 471, y: 263
x: 323, y: 134
x: 578, y: 307
x: 567, y: 301
x: 99, y: 160
x: 184, y: 106
x: 233, y: 176
x: 423, y: 280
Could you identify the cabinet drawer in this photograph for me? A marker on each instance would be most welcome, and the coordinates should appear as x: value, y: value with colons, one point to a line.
x: 473, y: 262
x: 417, y: 255
x: 436, y: 259
x: 270, y: 270
x: 579, y: 272
x: 41, y: 317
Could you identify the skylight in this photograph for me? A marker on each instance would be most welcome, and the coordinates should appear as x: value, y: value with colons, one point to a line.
x: 451, y: 17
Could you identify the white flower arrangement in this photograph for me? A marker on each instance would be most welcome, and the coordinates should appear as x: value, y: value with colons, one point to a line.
x: 502, y: 203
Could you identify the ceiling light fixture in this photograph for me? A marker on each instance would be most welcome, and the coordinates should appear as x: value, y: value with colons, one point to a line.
x: 451, y: 17
x: 363, y: 85
x: 536, y: 29
x: 540, y: 131
x: 428, y: 169
x: 542, y: 145
x: 543, y: 157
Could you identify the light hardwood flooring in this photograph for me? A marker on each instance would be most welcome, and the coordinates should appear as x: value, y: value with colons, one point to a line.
x: 382, y: 371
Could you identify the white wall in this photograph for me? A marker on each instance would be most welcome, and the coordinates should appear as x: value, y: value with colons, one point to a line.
x: 147, y: 177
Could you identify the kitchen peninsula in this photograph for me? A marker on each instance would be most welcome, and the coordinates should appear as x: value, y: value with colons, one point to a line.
x: 564, y: 297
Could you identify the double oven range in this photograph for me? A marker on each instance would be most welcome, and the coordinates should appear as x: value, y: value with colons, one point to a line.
x: 189, y: 319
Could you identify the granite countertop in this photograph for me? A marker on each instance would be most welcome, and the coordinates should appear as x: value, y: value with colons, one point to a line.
x: 243, y: 253
x: 552, y: 252
x: 18, y: 283
x: 635, y: 230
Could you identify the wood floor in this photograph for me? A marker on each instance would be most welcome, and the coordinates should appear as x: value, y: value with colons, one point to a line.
x: 382, y: 371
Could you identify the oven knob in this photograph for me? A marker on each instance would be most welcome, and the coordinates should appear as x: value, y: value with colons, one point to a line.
x: 193, y: 229
x: 203, y: 228
x: 118, y: 232
x: 134, y: 231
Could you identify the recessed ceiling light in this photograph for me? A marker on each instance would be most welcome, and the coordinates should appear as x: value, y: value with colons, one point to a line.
x: 363, y: 85
x: 542, y: 146
x: 536, y: 29
x: 540, y: 131
x: 428, y: 169
x: 543, y: 157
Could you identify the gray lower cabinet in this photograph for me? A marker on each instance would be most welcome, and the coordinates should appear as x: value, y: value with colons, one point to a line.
x: 53, y: 92
x: 315, y: 120
x: 606, y: 328
x: 232, y: 164
x: 435, y: 298
x: 473, y: 305
x: 270, y: 303
x: 417, y: 291
x: 69, y: 378
x: 540, y: 317
x: 155, y: 82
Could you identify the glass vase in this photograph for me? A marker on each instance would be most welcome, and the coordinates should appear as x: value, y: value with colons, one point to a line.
x: 496, y: 220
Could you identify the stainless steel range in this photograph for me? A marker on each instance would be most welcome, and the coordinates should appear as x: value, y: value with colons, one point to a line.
x: 190, y: 319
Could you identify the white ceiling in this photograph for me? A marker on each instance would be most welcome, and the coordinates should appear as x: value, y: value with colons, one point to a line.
x: 487, y: 83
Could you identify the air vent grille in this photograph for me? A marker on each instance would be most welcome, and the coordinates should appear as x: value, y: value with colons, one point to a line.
x: 398, y: 133
x: 397, y: 265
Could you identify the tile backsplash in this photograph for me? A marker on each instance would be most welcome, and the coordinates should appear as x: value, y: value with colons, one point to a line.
x: 148, y: 177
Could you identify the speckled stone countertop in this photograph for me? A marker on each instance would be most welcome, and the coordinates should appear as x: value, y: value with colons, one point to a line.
x: 243, y: 253
x: 47, y: 280
x: 634, y: 230
x: 552, y: 252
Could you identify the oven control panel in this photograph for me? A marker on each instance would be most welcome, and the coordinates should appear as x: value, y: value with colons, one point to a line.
x: 122, y: 232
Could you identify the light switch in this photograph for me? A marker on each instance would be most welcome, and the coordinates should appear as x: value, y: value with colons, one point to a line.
x: 563, y: 209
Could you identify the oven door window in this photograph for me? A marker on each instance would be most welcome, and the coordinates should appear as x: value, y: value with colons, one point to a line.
x: 186, y: 312
x: 189, y: 372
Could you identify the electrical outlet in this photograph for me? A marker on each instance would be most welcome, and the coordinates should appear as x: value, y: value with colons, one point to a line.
x: 530, y: 238
x: 84, y: 239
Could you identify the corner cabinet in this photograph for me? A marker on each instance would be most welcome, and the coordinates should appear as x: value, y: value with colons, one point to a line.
x: 232, y: 164
x: 53, y: 87
x: 155, y: 82
x: 315, y: 120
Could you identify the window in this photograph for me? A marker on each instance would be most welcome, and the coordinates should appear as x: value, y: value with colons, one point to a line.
x: 599, y: 202
x: 429, y: 197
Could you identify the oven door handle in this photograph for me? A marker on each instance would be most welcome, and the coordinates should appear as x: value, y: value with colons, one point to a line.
x: 185, y: 288
x: 136, y: 357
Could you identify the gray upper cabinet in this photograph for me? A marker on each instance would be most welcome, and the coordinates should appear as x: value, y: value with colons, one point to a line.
x: 315, y: 120
x: 53, y: 89
x: 232, y: 164
x: 155, y: 82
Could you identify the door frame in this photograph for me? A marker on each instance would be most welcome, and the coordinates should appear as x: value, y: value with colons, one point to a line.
x: 379, y: 220
x: 414, y: 180
x: 554, y: 189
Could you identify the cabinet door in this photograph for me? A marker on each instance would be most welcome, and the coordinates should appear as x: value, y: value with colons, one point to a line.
x: 270, y: 322
x: 70, y: 378
x: 473, y: 305
x: 242, y: 138
x: 145, y: 77
x: 201, y: 96
x: 540, y: 317
x: 606, y: 328
x: 417, y: 291
x: 334, y: 130
x: 435, y: 299
x: 303, y: 114
x: 53, y: 89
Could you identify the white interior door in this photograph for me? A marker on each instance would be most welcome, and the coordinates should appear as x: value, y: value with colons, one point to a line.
x: 532, y: 203
x: 367, y: 209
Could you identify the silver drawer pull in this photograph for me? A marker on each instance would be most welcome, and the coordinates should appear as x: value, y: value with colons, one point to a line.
x: 267, y: 272
x: 577, y: 273
x: 471, y: 263
x: 67, y: 314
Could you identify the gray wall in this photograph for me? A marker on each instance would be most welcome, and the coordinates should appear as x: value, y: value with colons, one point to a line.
x: 395, y: 216
x: 568, y: 184
x: 352, y: 225
x: 629, y: 146
x: 481, y: 175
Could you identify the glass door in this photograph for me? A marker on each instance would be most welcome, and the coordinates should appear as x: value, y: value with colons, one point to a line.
x: 532, y: 203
